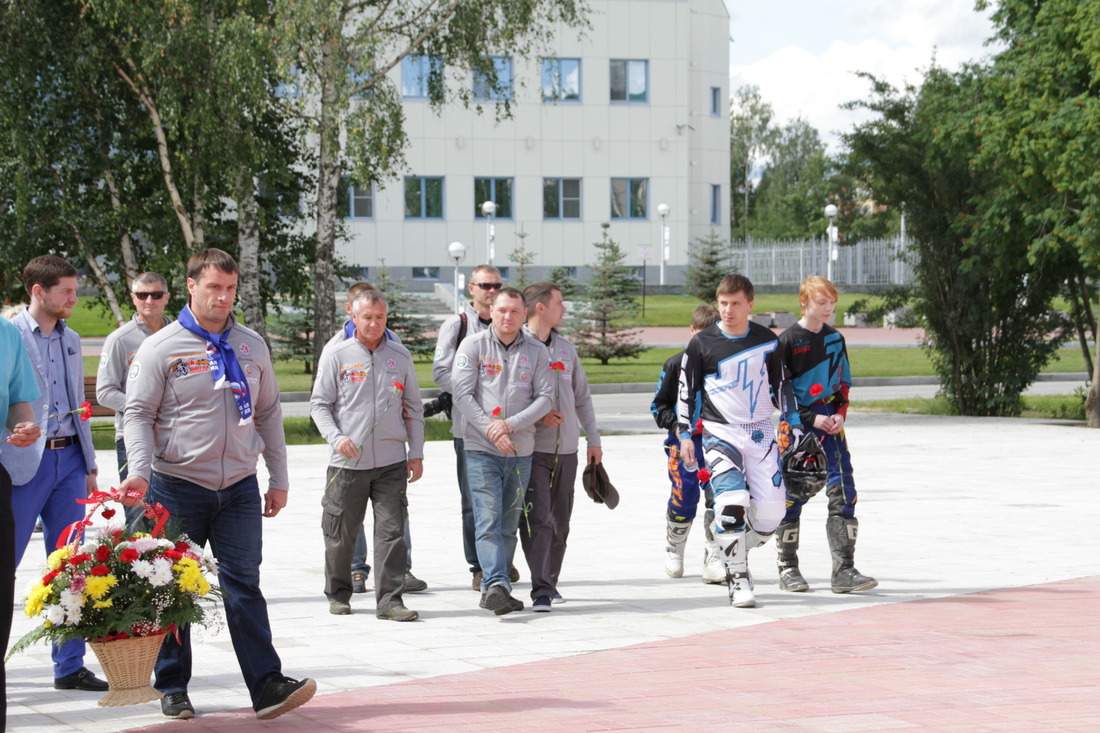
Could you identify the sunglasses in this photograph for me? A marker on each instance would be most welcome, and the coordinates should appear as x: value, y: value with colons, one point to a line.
x: 155, y: 295
x: 490, y: 286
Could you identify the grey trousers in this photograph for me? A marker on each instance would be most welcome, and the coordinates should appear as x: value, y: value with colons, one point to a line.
x: 345, y: 504
x: 545, y: 531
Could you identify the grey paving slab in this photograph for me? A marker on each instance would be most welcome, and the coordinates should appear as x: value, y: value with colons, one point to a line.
x: 947, y: 506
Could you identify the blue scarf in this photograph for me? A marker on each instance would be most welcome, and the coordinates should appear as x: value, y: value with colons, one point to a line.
x: 224, y: 367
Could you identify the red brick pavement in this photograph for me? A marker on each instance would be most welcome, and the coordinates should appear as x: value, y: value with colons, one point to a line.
x: 1007, y: 660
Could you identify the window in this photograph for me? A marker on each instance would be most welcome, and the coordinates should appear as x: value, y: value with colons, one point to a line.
x: 357, y: 201
x: 504, y: 272
x: 416, y: 73
x: 561, y: 198
x: 423, y: 198
x: 497, y: 190
x: 425, y: 273
x: 629, y: 81
x: 715, y: 204
x: 561, y: 80
x: 629, y: 198
x: 290, y: 88
x: 716, y: 101
x: 485, y: 91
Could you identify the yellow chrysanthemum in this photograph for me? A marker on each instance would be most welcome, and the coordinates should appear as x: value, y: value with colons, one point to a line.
x: 98, y: 586
x: 36, y: 599
x: 190, y: 578
x: 58, y: 557
x: 103, y: 604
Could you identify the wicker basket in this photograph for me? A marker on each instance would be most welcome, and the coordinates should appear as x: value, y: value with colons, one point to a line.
x: 128, y: 663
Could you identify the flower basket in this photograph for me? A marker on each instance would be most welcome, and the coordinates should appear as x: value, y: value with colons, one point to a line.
x: 128, y: 664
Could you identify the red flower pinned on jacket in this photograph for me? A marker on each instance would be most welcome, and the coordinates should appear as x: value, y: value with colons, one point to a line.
x: 816, y: 389
x: 557, y: 366
x: 398, y: 386
x: 698, y: 426
x: 497, y: 412
x: 704, y: 475
x: 85, y: 412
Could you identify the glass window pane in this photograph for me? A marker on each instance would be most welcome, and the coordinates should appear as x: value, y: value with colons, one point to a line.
x: 618, y: 198
x: 433, y: 198
x: 618, y: 81
x: 362, y: 202
x: 638, y: 198
x: 549, y: 80
x: 483, y: 191
x: 636, y: 84
x: 571, y: 79
x: 571, y: 198
x: 503, y: 197
x: 412, y: 198
x: 550, y: 202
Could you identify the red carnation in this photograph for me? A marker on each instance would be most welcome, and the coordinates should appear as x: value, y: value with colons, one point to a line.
x: 816, y: 389
x: 704, y: 475
x: 698, y: 426
x: 102, y: 553
x: 182, y: 546
x: 77, y: 559
x: 497, y: 412
x: 558, y: 366
x: 398, y: 386
x: 108, y: 513
x: 173, y: 554
x: 129, y: 555
x: 85, y: 412
x: 100, y: 570
x: 50, y: 576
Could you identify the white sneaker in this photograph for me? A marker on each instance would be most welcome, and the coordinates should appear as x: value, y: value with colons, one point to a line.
x: 714, y: 570
x: 740, y: 588
x: 674, y: 563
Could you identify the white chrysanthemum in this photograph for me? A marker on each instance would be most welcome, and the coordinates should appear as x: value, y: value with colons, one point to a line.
x: 54, y: 614
x: 142, y: 568
x: 70, y: 600
x: 166, y: 543
x: 162, y: 572
x: 144, y: 544
x: 88, y: 548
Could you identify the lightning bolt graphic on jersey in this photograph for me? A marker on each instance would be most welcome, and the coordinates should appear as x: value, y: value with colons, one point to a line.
x: 746, y: 369
x: 834, y: 349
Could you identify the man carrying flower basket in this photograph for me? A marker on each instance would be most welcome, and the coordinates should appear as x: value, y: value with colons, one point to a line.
x: 60, y: 467
x: 202, y: 403
x: 366, y: 403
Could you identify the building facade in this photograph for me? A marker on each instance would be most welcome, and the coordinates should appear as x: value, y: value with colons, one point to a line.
x: 606, y: 127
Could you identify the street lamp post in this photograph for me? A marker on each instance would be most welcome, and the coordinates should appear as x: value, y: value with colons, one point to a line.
x: 489, y: 208
x: 457, y: 251
x: 662, y: 211
x: 830, y: 214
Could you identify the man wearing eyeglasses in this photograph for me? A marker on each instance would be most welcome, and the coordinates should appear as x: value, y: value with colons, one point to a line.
x: 484, y: 284
x: 149, y: 293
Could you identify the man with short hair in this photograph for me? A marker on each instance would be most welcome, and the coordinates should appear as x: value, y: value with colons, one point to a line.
x: 360, y: 569
x: 366, y: 404
x: 502, y: 385
x: 60, y: 468
x: 202, y: 403
x: 557, y: 438
x: 474, y: 318
x: 19, y: 431
x: 149, y: 294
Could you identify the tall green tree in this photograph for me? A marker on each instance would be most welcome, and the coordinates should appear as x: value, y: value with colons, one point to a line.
x: 986, y: 308
x: 338, y: 54
x: 608, y: 314
x: 794, y: 187
x: 751, y: 134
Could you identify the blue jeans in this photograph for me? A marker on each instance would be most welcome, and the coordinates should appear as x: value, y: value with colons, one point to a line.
x: 497, y: 488
x: 469, y: 544
x: 230, y: 520
x: 61, y: 479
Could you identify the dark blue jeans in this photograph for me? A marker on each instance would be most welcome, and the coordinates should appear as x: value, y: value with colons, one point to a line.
x: 498, y: 485
x: 230, y: 520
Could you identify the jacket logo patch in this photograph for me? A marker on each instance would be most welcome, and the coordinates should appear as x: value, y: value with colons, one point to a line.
x: 135, y: 369
x: 461, y: 361
x: 391, y: 364
x: 524, y: 360
x: 489, y: 367
x: 102, y: 360
x: 352, y: 373
x: 245, y: 349
x: 186, y: 365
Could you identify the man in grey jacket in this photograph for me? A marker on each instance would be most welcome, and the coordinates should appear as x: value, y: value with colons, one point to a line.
x: 502, y: 385
x: 557, y: 437
x: 149, y: 293
x: 366, y: 403
x: 202, y: 404
x: 475, y: 317
x: 60, y: 468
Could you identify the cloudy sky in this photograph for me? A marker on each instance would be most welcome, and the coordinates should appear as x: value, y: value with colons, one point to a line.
x: 801, y: 53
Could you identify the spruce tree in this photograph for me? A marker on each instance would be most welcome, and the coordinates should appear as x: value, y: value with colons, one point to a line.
x: 402, y: 318
x: 708, y: 263
x: 607, y: 318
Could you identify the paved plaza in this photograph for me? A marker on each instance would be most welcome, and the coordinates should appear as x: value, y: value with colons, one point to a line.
x: 981, y: 532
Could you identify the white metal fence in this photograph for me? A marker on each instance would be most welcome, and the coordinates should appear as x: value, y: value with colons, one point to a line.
x: 872, y: 262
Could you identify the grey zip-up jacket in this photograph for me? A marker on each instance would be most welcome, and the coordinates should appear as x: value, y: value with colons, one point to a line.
x: 355, y: 391
x: 571, y: 397
x: 176, y: 423
x: 114, y: 362
x: 516, y: 378
x: 446, y: 346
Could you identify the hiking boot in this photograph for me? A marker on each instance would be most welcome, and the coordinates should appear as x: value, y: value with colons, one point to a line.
x: 848, y: 580
x: 339, y: 608
x: 398, y: 613
x: 414, y: 584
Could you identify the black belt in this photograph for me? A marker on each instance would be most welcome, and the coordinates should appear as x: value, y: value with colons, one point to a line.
x: 56, y: 443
